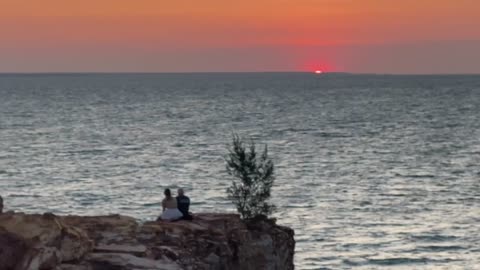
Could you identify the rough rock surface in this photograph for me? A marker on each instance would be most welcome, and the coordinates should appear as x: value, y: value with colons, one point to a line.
x: 210, y: 241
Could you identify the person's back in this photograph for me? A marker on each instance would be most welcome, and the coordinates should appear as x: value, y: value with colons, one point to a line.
x: 170, y: 203
x: 183, y: 203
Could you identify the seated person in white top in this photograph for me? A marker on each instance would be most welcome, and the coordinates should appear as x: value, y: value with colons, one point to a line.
x: 170, y: 210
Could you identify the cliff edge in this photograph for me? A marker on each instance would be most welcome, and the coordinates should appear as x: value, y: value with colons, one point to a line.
x: 115, y: 242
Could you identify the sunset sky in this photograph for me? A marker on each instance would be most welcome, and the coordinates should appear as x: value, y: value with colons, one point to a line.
x: 367, y: 36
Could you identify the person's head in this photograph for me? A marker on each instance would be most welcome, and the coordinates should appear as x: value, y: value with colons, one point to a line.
x: 168, y: 193
x: 180, y: 192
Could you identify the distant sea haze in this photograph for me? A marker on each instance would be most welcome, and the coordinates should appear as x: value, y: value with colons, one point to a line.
x: 373, y: 171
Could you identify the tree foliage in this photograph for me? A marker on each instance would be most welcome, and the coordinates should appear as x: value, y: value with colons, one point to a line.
x: 253, y: 176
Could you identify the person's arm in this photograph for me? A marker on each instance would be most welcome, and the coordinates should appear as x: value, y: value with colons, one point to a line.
x: 188, y: 205
x: 163, y: 205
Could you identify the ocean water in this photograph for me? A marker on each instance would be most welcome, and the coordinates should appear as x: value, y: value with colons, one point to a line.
x: 373, y: 172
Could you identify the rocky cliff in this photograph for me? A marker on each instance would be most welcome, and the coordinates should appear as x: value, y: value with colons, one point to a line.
x: 211, y: 241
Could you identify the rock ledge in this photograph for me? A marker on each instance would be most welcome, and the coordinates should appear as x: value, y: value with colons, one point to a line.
x: 115, y: 242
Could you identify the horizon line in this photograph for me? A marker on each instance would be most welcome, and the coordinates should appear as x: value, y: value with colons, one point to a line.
x: 229, y: 72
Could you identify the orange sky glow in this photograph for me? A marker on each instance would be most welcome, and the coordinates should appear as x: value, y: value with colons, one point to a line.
x: 380, y: 36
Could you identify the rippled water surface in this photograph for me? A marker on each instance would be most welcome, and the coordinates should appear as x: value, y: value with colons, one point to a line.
x: 373, y: 172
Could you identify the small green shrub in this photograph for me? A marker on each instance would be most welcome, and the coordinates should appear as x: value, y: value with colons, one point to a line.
x: 253, y: 177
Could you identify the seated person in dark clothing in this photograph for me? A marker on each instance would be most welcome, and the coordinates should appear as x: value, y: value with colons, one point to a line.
x: 183, y: 204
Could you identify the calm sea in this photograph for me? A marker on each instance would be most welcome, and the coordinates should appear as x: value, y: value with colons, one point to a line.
x: 373, y: 172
